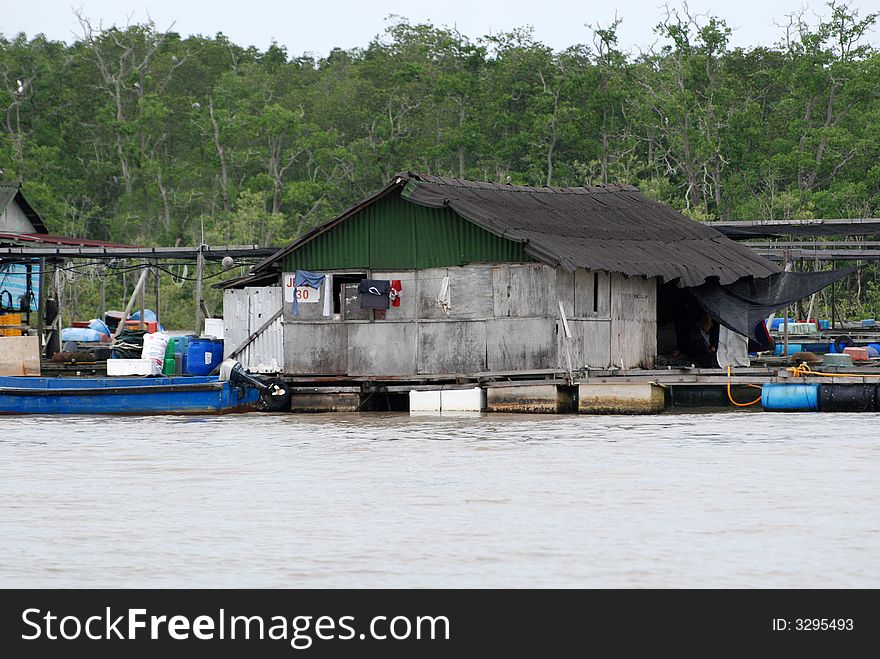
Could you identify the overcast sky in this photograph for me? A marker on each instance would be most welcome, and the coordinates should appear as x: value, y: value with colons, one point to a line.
x: 318, y: 26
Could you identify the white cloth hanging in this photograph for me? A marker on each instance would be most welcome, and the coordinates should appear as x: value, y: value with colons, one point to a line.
x: 733, y: 349
x: 444, y: 300
x: 328, y: 296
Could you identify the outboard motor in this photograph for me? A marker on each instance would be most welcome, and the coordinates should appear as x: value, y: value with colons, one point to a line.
x: 274, y: 394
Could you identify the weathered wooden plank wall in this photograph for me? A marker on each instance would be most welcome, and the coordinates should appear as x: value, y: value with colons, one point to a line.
x: 524, y: 291
x: 501, y: 318
x: 315, y: 348
x: 521, y: 343
x: 633, y: 322
x: 382, y: 348
x: 452, y: 346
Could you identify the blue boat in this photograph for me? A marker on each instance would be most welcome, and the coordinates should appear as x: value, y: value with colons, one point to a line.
x: 139, y: 395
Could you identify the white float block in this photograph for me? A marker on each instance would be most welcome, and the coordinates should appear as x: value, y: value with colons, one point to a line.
x: 424, y: 401
x: 463, y: 400
x: 132, y: 367
x: 214, y: 327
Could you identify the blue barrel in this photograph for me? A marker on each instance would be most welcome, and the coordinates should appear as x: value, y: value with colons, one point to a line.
x: 792, y: 348
x: 203, y: 355
x: 790, y: 397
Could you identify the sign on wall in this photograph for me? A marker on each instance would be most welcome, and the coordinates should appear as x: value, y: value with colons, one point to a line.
x: 303, y: 294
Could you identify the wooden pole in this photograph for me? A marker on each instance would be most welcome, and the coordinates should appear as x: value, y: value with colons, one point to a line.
x: 200, y: 273
x: 144, y: 270
x: 103, y: 295
x: 158, y: 290
x: 41, y: 304
x: 785, y: 317
x: 128, y: 307
x: 28, y: 293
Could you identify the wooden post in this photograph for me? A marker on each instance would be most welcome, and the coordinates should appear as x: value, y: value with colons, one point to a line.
x: 145, y: 270
x: 41, y: 304
x: 28, y: 293
x: 158, y: 290
x: 785, y: 317
x: 200, y: 273
x: 566, y: 334
x: 128, y: 307
x: 103, y: 294
x: 833, y: 304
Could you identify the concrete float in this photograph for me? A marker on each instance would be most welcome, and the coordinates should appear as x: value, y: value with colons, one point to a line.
x: 325, y: 402
x: 629, y: 398
x: 534, y: 399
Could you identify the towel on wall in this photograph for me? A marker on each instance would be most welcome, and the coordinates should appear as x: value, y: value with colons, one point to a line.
x: 328, y: 296
x: 375, y: 293
x: 305, y: 278
x: 444, y: 297
x: 396, y: 287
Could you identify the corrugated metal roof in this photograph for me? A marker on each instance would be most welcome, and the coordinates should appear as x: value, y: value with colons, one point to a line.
x: 611, y: 228
x: 12, y: 190
x: 747, y: 229
x: 46, y: 239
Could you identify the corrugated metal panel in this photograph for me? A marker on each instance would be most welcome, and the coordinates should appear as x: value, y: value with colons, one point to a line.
x: 438, y: 237
x: 266, y: 353
x: 346, y: 246
x: 480, y: 246
x: 235, y: 319
x: 394, y: 234
x: 244, y: 312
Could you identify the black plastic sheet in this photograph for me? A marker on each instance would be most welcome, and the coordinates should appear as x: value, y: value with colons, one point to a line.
x: 740, y: 306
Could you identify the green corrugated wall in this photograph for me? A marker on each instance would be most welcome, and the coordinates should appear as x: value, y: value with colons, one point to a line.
x: 393, y: 234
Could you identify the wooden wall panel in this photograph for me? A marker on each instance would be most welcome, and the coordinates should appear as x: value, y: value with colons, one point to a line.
x: 521, y: 343
x: 315, y: 348
x: 452, y: 347
x: 382, y: 348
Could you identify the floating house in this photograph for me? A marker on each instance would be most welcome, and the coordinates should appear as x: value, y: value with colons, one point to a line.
x: 472, y: 277
x: 16, y: 214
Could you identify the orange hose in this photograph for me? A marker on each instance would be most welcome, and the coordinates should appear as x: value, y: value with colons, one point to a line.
x: 804, y: 369
x: 730, y: 397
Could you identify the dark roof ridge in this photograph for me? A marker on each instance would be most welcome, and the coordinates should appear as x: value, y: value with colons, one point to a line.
x: 467, y: 184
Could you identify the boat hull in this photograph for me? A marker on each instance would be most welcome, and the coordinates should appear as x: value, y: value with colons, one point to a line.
x: 174, y: 395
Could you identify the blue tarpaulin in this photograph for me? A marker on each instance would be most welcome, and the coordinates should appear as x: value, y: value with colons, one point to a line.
x: 14, y: 281
x: 304, y: 278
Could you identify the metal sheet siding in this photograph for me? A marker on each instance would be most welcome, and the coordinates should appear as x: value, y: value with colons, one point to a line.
x: 480, y: 246
x: 244, y: 312
x: 438, y: 237
x: 392, y: 238
x: 345, y: 246
x: 394, y: 234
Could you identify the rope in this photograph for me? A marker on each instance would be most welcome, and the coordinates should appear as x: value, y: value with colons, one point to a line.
x: 802, y: 370
x: 730, y: 397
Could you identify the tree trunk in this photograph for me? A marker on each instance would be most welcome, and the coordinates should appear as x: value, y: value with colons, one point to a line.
x: 461, y: 118
x: 552, y: 139
x: 221, y: 153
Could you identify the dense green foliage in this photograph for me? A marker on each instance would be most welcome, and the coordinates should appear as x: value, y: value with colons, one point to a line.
x: 145, y: 137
